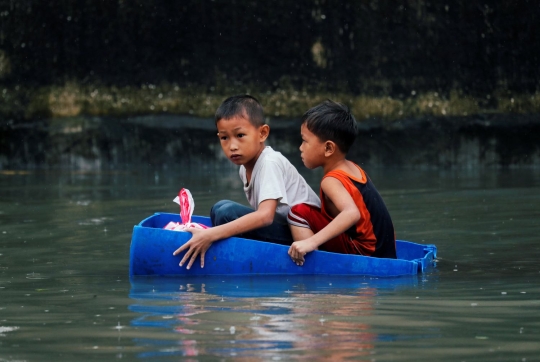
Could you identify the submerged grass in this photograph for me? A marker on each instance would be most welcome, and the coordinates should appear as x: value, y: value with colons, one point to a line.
x: 73, y: 99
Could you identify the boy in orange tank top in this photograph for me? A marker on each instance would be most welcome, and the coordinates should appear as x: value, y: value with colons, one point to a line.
x: 353, y: 218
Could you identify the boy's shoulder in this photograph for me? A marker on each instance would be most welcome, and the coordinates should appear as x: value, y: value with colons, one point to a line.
x: 268, y: 157
x: 274, y: 160
x: 353, y: 172
x: 271, y: 155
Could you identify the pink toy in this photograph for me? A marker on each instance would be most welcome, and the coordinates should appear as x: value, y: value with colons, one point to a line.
x: 187, y: 205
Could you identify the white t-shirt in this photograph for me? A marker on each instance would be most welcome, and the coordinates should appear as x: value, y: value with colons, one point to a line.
x: 275, y: 178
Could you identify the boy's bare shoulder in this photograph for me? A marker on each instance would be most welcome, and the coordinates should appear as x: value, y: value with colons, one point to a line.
x: 349, y: 168
x: 330, y: 183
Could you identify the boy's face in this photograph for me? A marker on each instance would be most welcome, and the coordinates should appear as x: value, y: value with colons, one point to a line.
x: 241, y: 141
x: 312, y: 149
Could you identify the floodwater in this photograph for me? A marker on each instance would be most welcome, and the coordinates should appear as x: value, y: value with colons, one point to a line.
x: 65, y: 293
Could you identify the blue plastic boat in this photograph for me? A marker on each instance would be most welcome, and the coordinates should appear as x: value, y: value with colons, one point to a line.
x: 152, y: 248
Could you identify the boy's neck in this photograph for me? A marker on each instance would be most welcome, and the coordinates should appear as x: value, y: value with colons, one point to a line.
x: 249, y: 166
x: 338, y: 162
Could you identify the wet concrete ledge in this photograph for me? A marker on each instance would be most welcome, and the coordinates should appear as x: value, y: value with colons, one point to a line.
x: 488, y: 140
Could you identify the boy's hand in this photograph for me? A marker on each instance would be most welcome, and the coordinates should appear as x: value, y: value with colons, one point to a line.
x: 198, y: 244
x: 299, y: 249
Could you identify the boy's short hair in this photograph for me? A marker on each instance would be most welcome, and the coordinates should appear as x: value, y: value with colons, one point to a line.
x: 243, y: 106
x: 332, y: 121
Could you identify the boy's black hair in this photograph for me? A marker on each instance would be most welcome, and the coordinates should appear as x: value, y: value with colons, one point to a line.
x: 241, y: 105
x: 332, y: 121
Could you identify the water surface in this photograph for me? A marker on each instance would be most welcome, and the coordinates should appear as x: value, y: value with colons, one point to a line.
x: 65, y: 293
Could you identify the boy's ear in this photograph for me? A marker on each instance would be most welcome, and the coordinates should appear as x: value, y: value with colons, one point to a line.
x: 329, y: 148
x: 264, y: 131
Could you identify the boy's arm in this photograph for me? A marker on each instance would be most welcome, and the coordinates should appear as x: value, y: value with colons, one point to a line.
x: 348, y: 215
x: 202, y: 239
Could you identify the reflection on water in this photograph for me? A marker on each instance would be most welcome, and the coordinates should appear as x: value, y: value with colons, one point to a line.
x: 309, y: 316
x: 65, y: 293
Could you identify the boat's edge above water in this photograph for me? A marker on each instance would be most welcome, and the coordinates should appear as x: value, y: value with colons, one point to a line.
x: 152, y: 247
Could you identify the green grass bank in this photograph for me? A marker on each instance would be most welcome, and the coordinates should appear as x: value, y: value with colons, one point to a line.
x: 73, y: 99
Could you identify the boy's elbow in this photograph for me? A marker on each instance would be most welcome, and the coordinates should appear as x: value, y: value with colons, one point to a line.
x: 265, y: 216
x: 267, y: 220
x: 355, y: 215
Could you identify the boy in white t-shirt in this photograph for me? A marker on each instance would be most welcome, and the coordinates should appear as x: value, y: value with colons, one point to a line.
x: 271, y: 183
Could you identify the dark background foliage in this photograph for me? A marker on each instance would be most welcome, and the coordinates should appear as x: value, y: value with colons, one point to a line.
x: 379, y: 47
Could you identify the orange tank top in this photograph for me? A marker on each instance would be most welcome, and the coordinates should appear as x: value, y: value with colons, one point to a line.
x: 374, y: 231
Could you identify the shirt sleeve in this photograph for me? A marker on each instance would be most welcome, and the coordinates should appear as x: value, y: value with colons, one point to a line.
x: 272, y: 183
